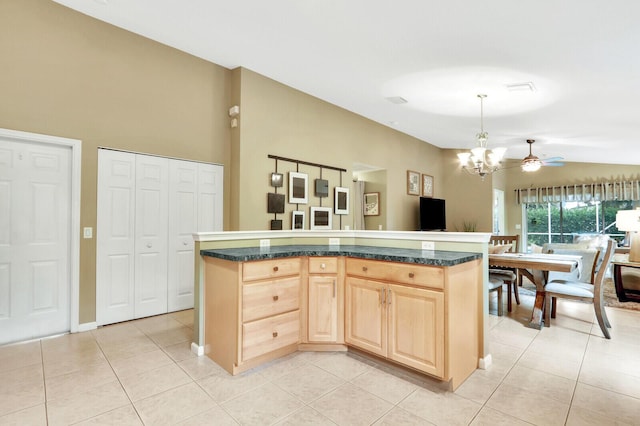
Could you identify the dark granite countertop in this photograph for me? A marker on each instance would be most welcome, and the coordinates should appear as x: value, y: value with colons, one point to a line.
x: 424, y: 257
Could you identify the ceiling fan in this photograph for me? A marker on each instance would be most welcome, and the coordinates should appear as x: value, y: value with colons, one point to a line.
x: 531, y: 163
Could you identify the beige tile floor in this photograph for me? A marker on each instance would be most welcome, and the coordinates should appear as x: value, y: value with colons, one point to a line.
x: 142, y: 372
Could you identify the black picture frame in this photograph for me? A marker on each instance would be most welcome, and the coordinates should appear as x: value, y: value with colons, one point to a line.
x: 275, y: 203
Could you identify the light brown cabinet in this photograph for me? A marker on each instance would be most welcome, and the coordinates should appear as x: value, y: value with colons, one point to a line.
x: 325, y: 302
x: 252, y: 311
x: 420, y: 316
x: 424, y: 317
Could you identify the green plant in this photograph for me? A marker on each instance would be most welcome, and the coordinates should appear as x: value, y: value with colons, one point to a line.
x: 469, y: 226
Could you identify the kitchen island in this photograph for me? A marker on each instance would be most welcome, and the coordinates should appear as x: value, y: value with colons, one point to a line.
x: 420, y: 309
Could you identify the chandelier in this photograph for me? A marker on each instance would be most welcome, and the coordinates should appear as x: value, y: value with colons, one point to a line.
x: 480, y: 160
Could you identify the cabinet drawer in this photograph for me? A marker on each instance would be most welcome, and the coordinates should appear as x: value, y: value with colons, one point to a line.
x: 268, y: 298
x: 405, y: 273
x: 274, y: 268
x: 323, y: 265
x: 267, y: 335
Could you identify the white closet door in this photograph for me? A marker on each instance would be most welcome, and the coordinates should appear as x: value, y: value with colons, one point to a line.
x: 210, y: 179
x: 183, y: 222
x: 151, y: 233
x: 35, y: 212
x: 115, y: 257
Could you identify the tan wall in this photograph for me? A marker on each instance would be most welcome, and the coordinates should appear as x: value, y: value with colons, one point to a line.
x: 69, y: 75
x: 278, y: 120
x: 468, y: 196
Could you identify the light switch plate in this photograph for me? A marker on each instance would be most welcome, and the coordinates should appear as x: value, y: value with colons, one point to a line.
x: 87, y: 232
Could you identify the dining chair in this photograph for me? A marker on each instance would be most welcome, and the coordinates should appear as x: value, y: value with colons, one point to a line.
x: 590, y: 292
x: 509, y: 276
x: 495, y: 284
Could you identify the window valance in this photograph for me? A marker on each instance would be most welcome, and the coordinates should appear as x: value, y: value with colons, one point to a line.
x: 601, y: 191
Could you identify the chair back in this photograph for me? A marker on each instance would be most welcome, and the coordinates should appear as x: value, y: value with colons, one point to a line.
x: 602, y: 269
x: 586, y: 270
x: 506, y: 240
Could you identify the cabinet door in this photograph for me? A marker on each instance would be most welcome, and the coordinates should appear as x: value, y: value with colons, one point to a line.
x: 416, y: 328
x: 323, y: 308
x: 365, y: 316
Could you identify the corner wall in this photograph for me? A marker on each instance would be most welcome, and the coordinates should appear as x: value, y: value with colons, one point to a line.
x: 66, y: 74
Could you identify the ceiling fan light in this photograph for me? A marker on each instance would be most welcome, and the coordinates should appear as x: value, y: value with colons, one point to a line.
x: 531, y: 164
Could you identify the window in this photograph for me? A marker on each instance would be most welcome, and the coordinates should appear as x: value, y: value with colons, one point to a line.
x: 560, y: 222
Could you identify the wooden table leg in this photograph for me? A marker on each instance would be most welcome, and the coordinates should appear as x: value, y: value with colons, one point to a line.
x: 538, y: 306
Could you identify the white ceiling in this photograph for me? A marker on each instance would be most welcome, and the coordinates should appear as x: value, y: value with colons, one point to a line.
x: 583, y: 57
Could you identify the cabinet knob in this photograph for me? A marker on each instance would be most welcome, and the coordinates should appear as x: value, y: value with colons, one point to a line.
x: 323, y: 266
x: 365, y: 269
x: 275, y: 334
x: 275, y: 298
x: 411, y: 275
x: 275, y: 269
x: 148, y: 245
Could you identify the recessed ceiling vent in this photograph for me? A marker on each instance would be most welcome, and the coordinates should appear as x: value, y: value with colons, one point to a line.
x: 397, y: 100
x: 521, y: 87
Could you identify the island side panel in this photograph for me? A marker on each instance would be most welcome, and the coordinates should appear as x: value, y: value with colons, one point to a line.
x: 463, y: 289
x: 221, y: 312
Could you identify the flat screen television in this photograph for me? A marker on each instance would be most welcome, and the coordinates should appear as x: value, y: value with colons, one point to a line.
x: 432, y: 214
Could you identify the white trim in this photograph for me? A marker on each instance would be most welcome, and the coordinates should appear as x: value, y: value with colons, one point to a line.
x: 87, y: 326
x: 485, y: 363
x: 459, y: 237
x: 76, y: 163
x: 198, y: 350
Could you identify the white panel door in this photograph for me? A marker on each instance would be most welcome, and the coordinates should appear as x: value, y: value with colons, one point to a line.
x: 183, y: 222
x: 35, y: 216
x: 115, y: 257
x: 151, y: 233
x: 210, y: 178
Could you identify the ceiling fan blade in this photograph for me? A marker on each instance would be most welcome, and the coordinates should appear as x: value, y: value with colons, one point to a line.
x: 552, y: 159
x: 554, y: 164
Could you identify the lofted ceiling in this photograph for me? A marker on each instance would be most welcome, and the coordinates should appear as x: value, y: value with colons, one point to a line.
x: 581, y: 58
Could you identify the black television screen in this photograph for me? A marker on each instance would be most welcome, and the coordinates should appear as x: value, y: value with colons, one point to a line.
x: 432, y: 214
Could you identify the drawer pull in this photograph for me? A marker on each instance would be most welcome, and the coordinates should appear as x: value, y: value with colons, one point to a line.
x: 323, y: 266
x: 275, y: 334
x: 275, y: 298
x: 411, y: 275
x: 365, y: 269
x: 275, y: 269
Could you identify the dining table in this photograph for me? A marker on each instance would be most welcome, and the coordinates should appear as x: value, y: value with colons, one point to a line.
x: 536, y: 267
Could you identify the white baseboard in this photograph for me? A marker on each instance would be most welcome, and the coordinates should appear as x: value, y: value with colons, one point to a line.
x: 198, y: 350
x: 485, y: 363
x: 87, y: 326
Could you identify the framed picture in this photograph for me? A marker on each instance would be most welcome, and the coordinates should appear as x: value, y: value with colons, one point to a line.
x: 372, y: 204
x: 322, y: 188
x: 320, y: 218
x: 298, y: 193
x: 341, y: 200
x: 275, y: 203
x: 276, y: 225
x: 297, y: 220
x: 427, y: 186
x: 276, y: 180
x: 413, y: 182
